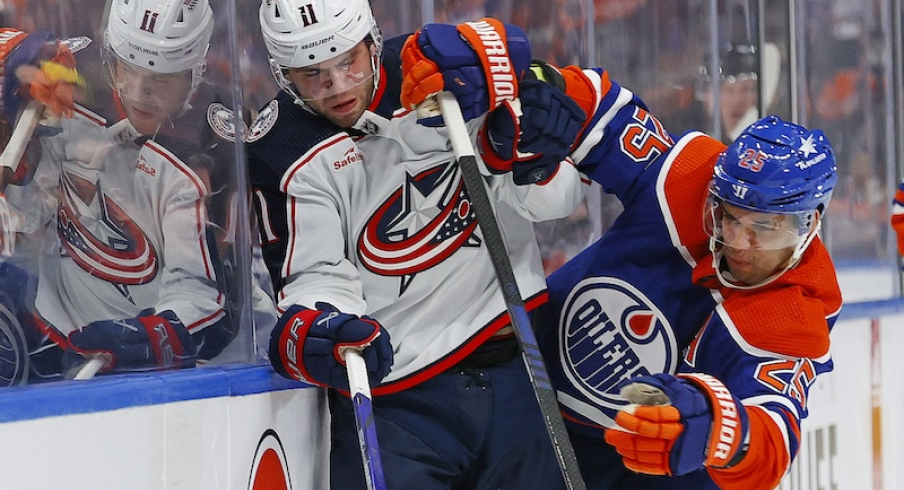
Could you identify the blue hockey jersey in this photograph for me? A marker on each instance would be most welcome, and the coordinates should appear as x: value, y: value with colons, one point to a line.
x: 644, y: 298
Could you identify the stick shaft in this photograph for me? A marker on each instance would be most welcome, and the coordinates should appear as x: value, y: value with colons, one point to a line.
x: 25, y: 127
x: 90, y: 368
x: 359, y: 390
x: 533, y: 360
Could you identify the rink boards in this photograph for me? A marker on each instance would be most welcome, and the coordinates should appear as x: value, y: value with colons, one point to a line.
x: 210, y: 428
x: 243, y: 427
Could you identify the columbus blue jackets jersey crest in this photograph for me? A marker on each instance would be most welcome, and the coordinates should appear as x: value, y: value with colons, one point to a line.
x: 420, y: 225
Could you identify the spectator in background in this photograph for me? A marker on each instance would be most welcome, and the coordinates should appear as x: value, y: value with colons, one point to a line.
x: 740, y: 77
x: 858, y: 228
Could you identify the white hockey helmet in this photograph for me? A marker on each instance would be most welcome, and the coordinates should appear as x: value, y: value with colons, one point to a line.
x: 301, y: 33
x: 164, y: 36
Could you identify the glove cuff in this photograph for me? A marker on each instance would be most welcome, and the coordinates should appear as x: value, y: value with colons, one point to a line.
x: 506, y: 58
x: 729, y: 429
x: 494, y: 163
x: 897, y: 223
x: 287, y: 344
x: 170, y: 340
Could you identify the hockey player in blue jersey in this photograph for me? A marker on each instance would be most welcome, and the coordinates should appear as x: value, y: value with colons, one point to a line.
x: 710, y: 300
x: 372, y: 243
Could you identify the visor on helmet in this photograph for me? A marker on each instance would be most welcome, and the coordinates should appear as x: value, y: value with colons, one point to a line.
x: 745, y: 229
x: 331, y: 77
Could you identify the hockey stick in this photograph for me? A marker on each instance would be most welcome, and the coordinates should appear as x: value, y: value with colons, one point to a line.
x: 90, y: 368
x: 15, y: 147
x: 533, y: 360
x: 359, y: 390
x: 9, y: 162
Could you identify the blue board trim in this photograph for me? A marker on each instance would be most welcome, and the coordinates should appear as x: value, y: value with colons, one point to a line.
x: 113, y: 392
x: 871, y: 309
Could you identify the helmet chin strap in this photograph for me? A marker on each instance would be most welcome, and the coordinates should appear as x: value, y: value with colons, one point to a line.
x: 718, y: 254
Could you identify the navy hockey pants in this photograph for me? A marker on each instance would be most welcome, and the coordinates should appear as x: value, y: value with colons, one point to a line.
x: 465, y: 429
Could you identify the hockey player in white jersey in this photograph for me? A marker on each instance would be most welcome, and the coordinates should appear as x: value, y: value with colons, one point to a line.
x: 130, y: 267
x: 373, y: 244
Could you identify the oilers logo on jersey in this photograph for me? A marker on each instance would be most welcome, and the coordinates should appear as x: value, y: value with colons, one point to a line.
x: 612, y: 332
x: 421, y: 224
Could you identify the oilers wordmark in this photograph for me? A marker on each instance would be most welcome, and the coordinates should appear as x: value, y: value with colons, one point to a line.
x: 599, y: 351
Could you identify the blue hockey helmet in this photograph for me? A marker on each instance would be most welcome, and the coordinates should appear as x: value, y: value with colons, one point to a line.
x: 776, y: 167
x: 780, y: 177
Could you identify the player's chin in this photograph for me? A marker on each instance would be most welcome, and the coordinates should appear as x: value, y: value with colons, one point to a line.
x: 146, y: 119
x: 741, y: 269
x: 345, y: 116
x: 146, y: 126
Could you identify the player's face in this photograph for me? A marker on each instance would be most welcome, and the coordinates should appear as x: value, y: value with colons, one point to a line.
x: 751, y: 241
x: 339, y: 89
x: 737, y: 97
x: 150, y: 99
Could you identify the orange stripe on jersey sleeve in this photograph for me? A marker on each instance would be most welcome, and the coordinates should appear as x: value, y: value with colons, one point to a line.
x: 580, y: 89
x: 686, y: 189
x: 766, y: 460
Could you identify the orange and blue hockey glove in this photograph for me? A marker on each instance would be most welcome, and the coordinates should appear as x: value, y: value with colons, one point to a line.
x: 36, y: 66
x: 480, y: 63
x: 703, y: 425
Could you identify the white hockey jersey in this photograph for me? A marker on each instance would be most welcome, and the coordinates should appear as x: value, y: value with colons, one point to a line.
x: 116, y: 200
x: 377, y: 221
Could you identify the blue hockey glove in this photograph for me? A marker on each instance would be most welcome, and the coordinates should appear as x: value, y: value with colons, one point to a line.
x: 480, y: 63
x: 306, y: 345
x: 150, y: 341
x: 532, y: 144
x: 703, y: 426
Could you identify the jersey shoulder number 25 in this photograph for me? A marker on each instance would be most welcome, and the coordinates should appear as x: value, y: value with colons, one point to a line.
x: 643, y: 138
